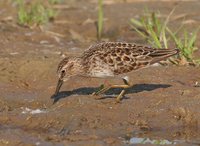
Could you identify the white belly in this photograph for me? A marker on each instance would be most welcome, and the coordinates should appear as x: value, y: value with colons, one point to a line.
x: 101, y: 73
x: 100, y: 69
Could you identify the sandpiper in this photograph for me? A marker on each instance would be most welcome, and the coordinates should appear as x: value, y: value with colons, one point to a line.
x: 110, y: 59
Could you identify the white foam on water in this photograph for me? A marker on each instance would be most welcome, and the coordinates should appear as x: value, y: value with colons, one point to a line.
x: 32, y: 111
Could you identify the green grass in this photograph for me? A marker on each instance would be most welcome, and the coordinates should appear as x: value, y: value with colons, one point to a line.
x: 36, y: 13
x: 152, y: 29
x: 55, y: 1
x: 186, y: 44
x: 157, y: 32
x: 100, y: 19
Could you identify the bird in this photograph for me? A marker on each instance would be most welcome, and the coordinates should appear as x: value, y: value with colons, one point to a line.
x: 111, y: 59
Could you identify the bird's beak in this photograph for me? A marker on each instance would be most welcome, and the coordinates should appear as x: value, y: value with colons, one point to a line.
x: 59, y: 84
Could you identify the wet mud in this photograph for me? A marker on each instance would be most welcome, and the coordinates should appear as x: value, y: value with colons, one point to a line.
x: 162, y: 106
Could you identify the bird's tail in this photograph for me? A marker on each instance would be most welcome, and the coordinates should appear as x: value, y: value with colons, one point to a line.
x: 162, y: 54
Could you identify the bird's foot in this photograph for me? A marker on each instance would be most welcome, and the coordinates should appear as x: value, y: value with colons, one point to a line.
x: 101, y: 90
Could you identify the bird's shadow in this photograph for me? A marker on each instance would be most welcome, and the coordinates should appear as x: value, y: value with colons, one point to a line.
x: 89, y: 90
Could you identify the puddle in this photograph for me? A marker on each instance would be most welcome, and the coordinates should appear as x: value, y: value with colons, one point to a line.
x: 144, y: 141
x: 137, y: 140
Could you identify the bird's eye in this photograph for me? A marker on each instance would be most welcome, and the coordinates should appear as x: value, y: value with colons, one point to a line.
x: 63, y: 71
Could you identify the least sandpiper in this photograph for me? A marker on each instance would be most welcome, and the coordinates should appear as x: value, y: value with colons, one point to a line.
x: 110, y: 59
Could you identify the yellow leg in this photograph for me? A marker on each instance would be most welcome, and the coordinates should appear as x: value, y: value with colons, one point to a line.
x: 118, y: 98
x: 101, y: 91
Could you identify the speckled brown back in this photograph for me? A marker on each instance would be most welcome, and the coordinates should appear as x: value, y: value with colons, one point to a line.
x: 125, y: 57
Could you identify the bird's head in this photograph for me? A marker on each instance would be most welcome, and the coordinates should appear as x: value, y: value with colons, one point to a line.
x: 68, y: 67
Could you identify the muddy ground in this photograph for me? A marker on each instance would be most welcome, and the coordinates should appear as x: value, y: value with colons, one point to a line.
x: 163, y: 104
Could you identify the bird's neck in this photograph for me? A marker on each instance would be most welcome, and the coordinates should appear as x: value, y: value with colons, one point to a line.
x: 79, y: 66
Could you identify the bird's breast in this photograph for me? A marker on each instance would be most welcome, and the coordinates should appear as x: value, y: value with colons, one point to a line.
x: 101, y: 70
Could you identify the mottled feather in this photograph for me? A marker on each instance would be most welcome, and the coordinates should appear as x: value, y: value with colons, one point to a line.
x: 122, y: 57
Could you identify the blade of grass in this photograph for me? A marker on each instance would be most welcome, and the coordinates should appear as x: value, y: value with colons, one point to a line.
x: 155, y: 38
x: 100, y: 19
x: 193, y: 38
x: 185, y: 38
x: 164, y: 39
x: 139, y: 32
x: 176, y: 40
x: 136, y: 22
x: 163, y: 29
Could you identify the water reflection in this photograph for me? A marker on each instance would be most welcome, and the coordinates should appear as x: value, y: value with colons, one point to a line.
x: 136, y: 140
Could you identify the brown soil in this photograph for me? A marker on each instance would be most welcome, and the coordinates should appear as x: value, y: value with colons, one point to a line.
x: 163, y: 103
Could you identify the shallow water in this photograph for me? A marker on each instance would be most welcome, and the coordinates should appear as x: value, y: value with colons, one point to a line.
x: 137, y: 140
x: 144, y: 141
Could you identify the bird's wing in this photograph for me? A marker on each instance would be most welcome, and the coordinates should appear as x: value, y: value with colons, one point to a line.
x: 124, y: 57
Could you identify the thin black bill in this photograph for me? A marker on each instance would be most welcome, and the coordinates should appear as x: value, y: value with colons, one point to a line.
x: 59, y: 84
